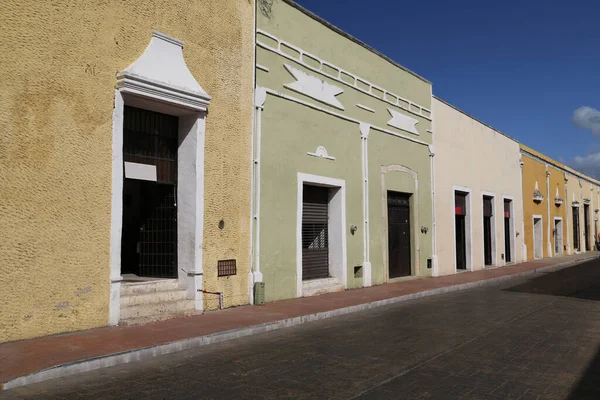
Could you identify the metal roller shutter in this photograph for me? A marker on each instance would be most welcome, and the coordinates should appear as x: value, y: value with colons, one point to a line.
x: 315, y: 240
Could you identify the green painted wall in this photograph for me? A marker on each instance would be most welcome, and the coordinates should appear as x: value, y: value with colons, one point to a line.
x: 290, y: 130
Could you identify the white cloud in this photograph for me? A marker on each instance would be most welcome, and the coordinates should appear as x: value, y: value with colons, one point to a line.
x: 587, y: 118
x: 588, y: 164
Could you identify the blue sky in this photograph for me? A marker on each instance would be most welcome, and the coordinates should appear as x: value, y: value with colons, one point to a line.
x: 523, y: 67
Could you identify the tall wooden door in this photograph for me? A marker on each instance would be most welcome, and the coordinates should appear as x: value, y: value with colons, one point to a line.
x: 315, y: 233
x: 149, y: 233
x: 586, y: 225
x: 558, y: 246
x: 507, y: 235
x: 576, y: 228
x: 487, y: 230
x: 460, y: 224
x: 537, y: 238
x: 399, y: 235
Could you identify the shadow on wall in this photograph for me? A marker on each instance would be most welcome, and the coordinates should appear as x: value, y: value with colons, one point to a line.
x: 582, y: 282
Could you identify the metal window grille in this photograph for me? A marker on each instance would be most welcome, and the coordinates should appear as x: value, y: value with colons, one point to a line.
x: 226, y: 267
x: 151, y: 138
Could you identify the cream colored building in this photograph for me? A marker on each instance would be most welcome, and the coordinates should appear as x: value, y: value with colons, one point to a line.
x: 478, y: 201
x: 87, y: 88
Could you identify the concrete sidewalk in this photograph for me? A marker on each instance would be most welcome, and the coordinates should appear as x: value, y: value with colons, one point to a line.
x: 36, y: 360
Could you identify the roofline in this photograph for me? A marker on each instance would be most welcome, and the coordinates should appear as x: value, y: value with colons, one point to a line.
x: 528, y: 151
x: 475, y: 119
x: 352, y: 38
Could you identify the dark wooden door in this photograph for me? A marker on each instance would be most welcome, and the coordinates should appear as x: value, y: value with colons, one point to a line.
x: 487, y: 230
x: 576, y: 228
x: 507, y: 216
x: 460, y: 225
x: 399, y: 235
x: 586, y: 225
x: 315, y: 240
x: 461, y: 242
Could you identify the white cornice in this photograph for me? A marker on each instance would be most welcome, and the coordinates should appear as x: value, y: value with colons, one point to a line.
x: 161, y: 73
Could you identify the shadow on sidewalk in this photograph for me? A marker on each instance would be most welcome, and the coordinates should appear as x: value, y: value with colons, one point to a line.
x: 588, y: 386
x: 581, y: 281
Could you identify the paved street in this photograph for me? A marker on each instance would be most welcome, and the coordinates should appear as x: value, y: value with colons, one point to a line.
x: 534, y: 338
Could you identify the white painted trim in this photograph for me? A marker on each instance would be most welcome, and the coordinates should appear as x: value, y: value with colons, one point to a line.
x: 313, y: 87
x: 340, y: 239
x: 367, y: 270
x: 468, y: 226
x: 116, y: 213
x: 321, y: 152
x: 260, y: 97
x: 143, y: 172
x: 414, y: 209
x: 561, y: 236
x: 338, y: 78
x: 365, y: 108
x: 434, y: 258
x: 550, y: 247
x: 403, y: 122
x: 533, y: 218
x: 262, y: 68
x: 318, y: 108
x: 492, y: 228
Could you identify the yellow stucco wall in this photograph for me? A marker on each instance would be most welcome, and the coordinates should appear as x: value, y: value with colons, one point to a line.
x: 59, y: 61
x: 534, y: 170
x: 557, y: 182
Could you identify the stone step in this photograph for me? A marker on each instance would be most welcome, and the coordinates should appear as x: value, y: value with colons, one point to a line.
x: 157, y: 309
x: 316, y: 287
x: 131, y: 288
x: 154, y: 297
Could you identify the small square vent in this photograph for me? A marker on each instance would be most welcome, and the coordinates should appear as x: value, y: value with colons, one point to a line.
x: 226, y: 268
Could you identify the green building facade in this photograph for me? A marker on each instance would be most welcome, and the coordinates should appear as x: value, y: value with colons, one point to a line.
x: 342, y: 191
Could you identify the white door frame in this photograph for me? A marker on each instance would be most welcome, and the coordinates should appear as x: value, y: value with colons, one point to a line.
x: 160, y: 81
x: 338, y: 265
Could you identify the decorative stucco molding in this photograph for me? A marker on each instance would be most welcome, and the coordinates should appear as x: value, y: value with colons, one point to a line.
x: 558, y: 200
x: 353, y: 80
x: 260, y: 96
x: 262, y: 68
x: 161, y: 73
x: 322, y: 153
x: 365, y: 108
x: 314, y: 87
x: 537, y: 195
x: 586, y: 201
x: 403, y: 122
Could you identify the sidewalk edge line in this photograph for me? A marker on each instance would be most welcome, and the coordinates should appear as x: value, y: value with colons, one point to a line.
x: 76, y: 367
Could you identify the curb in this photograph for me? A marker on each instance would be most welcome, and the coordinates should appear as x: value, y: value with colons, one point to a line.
x: 91, y: 364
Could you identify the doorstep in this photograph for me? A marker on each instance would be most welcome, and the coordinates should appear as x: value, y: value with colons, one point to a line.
x: 29, y: 361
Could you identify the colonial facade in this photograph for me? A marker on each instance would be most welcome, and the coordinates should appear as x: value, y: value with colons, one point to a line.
x: 560, y: 207
x: 124, y: 162
x: 342, y: 150
x: 478, y: 202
